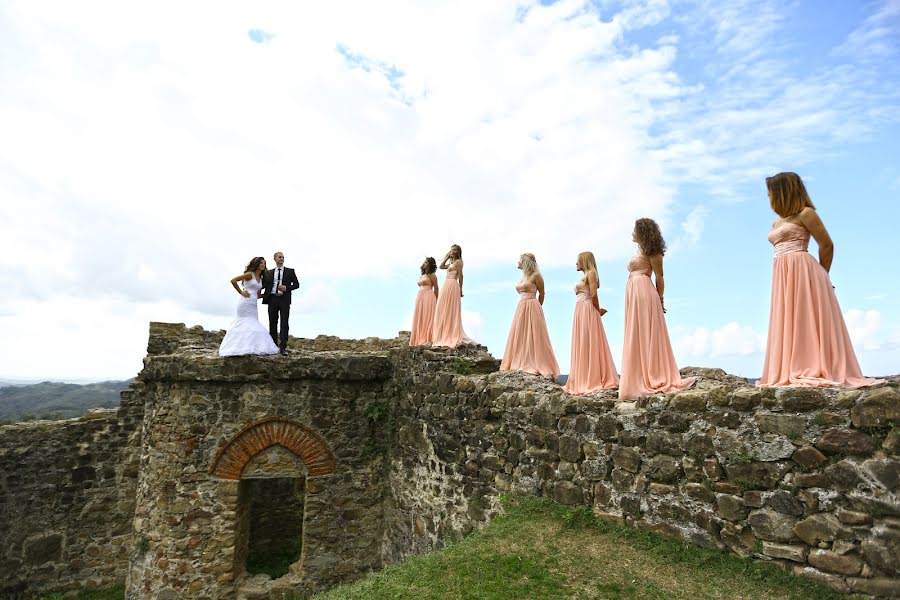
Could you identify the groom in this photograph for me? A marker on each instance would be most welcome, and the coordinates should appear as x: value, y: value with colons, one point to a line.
x: 278, y: 284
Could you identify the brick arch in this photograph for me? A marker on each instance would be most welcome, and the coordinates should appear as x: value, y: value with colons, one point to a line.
x: 305, y: 443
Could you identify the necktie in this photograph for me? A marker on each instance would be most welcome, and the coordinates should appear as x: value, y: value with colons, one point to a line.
x: 278, y: 285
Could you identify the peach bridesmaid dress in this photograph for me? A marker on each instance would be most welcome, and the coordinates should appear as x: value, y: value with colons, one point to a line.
x: 648, y: 364
x: 448, y: 327
x: 808, y: 343
x: 592, y: 369
x: 528, y: 345
x: 423, y: 314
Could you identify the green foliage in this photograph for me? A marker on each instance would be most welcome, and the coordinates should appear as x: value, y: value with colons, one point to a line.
x: 116, y: 593
x: 57, y: 400
x: 539, y: 549
x: 461, y: 366
x: 744, y: 455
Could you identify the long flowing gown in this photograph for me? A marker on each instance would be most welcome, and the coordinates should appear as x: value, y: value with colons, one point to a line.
x: 423, y: 314
x: 246, y: 335
x: 648, y: 364
x: 808, y: 343
x: 591, y: 368
x: 528, y: 346
x: 448, y: 328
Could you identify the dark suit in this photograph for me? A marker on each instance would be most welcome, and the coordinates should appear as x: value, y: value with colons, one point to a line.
x: 279, y: 306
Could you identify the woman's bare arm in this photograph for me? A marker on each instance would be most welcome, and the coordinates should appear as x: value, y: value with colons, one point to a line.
x: 809, y: 218
x: 538, y: 280
x: 656, y: 261
x: 245, y: 277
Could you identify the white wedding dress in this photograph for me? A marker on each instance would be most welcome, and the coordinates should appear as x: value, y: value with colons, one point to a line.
x: 246, y: 335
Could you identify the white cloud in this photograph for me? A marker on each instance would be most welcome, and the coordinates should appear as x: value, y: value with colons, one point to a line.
x: 865, y: 328
x: 142, y: 164
x: 877, y: 37
x: 473, y: 325
x: 731, y: 339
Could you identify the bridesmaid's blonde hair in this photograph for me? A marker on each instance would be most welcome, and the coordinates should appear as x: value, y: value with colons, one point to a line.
x: 587, y: 263
x: 529, y: 264
x: 787, y: 194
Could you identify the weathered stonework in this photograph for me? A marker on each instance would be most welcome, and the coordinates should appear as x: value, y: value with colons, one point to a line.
x: 398, y: 451
x: 67, y: 493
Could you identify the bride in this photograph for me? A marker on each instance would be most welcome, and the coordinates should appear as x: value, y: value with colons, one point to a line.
x: 246, y: 335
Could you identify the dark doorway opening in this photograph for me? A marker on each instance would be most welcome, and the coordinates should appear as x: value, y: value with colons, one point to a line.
x: 272, y: 523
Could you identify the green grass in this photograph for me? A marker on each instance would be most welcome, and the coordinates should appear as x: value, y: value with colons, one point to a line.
x: 116, y: 593
x: 539, y: 549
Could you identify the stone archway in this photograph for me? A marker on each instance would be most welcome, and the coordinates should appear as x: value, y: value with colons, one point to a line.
x: 256, y: 437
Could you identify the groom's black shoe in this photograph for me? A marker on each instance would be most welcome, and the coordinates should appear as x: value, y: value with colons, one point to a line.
x: 283, y: 350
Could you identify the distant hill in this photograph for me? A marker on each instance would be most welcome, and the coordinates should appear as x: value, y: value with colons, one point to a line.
x: 49, y: 400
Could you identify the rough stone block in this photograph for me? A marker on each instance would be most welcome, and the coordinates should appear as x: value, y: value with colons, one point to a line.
x: 689, y: 401
x: 772, y: 526
x: 570, y: 449
x: 731, y: 507
x: 794, y: 552
x: 663, y: 469
x: 825, y: 560
x: 785, y: 504
x: 789, y: 425
x: 882, y: 550
x: 746, y: 398
x: 878, y: 408
x: 765, y: 475
x: 801, y: 399
x: 663, y: 442
x: 882, y: 587
x: 848, y: 517
x: 885, y: 470
x: 700, y: 492
x: 808, y: 457
x: 568, y: 493
x: 740, y: 539
x: 699, y: 446
x: 845, y: 441
x: 822, y: 527
x: 593, y: 469
x: 628, y: 459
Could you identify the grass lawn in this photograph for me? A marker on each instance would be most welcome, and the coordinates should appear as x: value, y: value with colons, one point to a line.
x: 539, y: 549
x: 111, y: 594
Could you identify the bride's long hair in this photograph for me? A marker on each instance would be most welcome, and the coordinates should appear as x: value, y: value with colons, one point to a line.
x: 253, y: 265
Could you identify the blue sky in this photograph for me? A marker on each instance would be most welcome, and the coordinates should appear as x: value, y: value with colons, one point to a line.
x: 144, y: 162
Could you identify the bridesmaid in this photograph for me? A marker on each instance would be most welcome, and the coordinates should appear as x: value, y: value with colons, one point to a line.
x: 648, y: 364
x: 528, y: 345
x: 592, y: 369
x: 448, y: 327
x: 808, y: 343
x: 423, y: 313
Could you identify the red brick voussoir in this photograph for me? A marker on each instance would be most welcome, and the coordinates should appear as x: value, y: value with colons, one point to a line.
x: 305, y: 443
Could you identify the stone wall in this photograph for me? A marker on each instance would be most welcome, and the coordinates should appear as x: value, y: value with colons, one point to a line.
x: 67, y: 493
x: 807, y: 478
x: 401, y: 450
x: 208, y: 422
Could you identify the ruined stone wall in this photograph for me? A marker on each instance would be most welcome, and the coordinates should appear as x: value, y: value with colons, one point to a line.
x: 402, y: 450
x: 805, y: 477
x: 67, y: 500
x: 209, y: 420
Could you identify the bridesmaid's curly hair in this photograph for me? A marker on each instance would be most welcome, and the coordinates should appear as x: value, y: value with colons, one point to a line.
x: 787, y: 194
x: 430, y: 266
x: 254, y: 264
x: 649, y: 237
